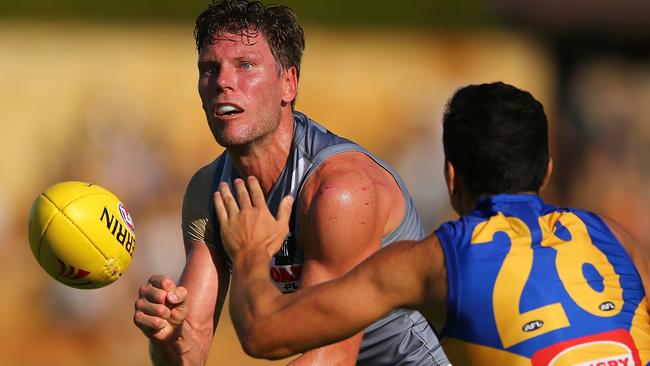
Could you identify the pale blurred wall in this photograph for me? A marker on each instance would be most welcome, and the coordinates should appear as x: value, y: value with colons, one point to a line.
x: 118, y: 106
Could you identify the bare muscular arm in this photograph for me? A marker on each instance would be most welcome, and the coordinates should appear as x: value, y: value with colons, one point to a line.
x: 343, y: 212
x: 180, y: 319
x: 408, y: 274
x: 190, y: 342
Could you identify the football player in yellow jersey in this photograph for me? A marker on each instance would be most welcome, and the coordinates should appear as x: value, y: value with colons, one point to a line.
x: 514, y: 280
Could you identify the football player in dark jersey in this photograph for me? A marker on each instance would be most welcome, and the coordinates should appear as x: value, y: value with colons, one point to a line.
x: 249, y: 64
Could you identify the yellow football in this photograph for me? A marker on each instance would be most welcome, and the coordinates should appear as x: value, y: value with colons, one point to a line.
x: 81, y: 234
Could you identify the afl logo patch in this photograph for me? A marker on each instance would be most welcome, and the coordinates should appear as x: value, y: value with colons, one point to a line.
x: 607, y: 306
x: 533, y: 325
x: 126, y: 217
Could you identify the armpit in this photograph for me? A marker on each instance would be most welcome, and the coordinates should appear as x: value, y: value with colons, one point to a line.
x: 196, y: 223
x: 195, y: 230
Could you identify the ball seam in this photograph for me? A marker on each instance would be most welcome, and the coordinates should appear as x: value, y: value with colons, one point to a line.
x: 46, y: 226
x: 60, y: 209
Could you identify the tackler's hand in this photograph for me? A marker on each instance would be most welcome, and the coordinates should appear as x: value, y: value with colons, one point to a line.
x: 246, y: 224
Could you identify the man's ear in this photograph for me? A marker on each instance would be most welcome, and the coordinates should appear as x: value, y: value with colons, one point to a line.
x: 454, y: 188
x: 289, y: 85
x: 547, y: 176
x: 450, y: 177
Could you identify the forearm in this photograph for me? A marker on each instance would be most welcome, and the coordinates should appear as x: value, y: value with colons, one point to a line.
x: 189, y: 348
x: 253, y: 298
x: 273, y: 325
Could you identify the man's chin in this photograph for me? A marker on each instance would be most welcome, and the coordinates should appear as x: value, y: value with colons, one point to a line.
x: 231, y: 142
x: 226, y: 137
x: 236, y: 136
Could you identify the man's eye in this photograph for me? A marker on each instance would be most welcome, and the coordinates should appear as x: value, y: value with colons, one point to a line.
x: 246, y: 65
x: 208, y: 70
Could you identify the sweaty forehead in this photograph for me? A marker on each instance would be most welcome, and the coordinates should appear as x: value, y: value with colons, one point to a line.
x: 245, y: 42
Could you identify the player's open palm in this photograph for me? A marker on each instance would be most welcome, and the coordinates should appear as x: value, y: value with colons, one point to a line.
x: 246, y: 224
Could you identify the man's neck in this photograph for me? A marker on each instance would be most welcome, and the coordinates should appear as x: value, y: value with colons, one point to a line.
x: 265, y: 159
x: 470, y: 202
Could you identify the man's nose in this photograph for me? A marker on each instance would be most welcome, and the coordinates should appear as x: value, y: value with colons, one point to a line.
x: 226, y: 78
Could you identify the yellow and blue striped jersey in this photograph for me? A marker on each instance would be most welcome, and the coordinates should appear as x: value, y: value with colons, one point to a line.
x: 533, y: 284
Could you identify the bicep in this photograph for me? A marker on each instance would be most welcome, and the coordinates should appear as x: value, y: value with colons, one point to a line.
x: 391, y: 278
x: 205, y: 274
x: 335, y: 310
x: 341, y: 219
x: 408, y: 274
x: 341, y: 224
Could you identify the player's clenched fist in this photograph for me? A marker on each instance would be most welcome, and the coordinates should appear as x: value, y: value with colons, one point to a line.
x: 161, y: 308
x: 246, y: 223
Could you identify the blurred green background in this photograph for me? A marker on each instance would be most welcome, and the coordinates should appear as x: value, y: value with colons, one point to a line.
x: 106, y: 92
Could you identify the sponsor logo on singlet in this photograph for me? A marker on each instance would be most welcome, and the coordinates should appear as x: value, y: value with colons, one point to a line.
x: 286, y: 267
x: 287, y: 278
x: 614, y: 348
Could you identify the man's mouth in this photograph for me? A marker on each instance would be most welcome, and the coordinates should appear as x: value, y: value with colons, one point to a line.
x: 227, y: 109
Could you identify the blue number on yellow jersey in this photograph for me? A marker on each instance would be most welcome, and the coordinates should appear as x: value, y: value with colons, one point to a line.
x: 534, y: 284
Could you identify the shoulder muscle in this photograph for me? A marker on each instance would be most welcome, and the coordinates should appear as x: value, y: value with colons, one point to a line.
x: 349, y: 200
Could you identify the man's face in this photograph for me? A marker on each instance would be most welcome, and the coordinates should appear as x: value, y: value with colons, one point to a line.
x: 241, y: 88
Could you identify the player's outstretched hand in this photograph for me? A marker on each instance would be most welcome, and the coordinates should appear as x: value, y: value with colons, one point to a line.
x: 160, y: 309
x: 246, y: 224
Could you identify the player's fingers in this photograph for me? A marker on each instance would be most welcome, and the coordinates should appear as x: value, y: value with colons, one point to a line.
x: 178, y: 296
x: 242, y: 194
x: 159, y: 331
x: 163, y: 282
x: 152, y: 309
x: 257, y: 196
x: 228, y: 200
x: 284, y: 210
x: 148, y: 324
x: 220, y: 209
x: 152, y: 294
x: 178, y: 312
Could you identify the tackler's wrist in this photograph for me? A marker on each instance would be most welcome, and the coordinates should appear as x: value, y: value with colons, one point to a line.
x: 251, y: 261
